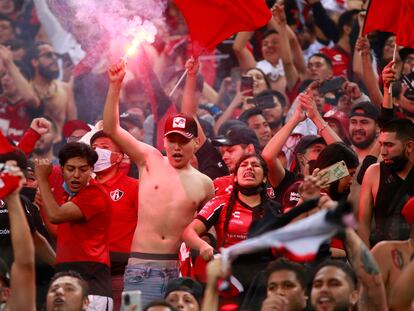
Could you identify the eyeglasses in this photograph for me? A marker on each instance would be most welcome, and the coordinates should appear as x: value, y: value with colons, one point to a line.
x: 49, y: 55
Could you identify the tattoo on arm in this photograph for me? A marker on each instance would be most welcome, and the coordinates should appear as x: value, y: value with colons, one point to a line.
x: 397, y: 259
x: 368, y: 262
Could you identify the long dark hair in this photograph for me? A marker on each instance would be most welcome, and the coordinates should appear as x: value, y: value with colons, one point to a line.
x: 234, y: 193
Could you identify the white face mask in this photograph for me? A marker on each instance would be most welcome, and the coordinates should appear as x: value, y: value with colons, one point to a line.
x: 104, y: 160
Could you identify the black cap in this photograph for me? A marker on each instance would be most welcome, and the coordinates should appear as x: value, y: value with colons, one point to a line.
x: 365, y: 109
x: 238, y: 135
x: 185, y: 284
x: 404, y: 52
x: 306, y: 141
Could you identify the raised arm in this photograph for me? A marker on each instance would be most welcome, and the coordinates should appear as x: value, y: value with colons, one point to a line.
x: 308, y: 104
x: 370, y: 79
x: 23, y: 86
x: 244, y: 56
x: 274, y: 147
x: 22, y: 280
x: 372, y: 291
x: 279, y: 23
x: 365, y: 211
x: 189, y: 104
x: 136, y: 150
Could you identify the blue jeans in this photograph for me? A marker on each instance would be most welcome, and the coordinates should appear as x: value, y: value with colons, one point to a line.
x: 149, y: 279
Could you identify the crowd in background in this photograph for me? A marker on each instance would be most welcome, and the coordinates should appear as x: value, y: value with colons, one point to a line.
x: 125, y: 178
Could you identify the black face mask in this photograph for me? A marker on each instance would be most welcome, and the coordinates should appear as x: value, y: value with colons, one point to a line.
x: 29, y: 193
x: 398, y: 163
x: 251, y: 191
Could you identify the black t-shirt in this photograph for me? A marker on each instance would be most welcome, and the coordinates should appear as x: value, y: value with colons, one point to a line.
x: 210, y: 161
x: 35, y: 224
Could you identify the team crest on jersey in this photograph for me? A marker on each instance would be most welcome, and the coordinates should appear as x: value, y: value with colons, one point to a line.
x: 270, y: 192
x: 116, y: 195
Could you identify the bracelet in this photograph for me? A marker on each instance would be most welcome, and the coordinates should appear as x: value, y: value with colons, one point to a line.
x: 325, y: 125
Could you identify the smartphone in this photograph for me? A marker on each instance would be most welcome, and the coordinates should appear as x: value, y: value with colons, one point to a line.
x: 246, y: 86
x: 130, y: 298
x: 331, y: 86
x: 265, y: 102
x: 408, y: 80
x: 332, y: 173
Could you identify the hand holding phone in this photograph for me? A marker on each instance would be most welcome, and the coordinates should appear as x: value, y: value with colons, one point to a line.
x: 331, y: 86
x: 130, y: 298
x: 246, y: 86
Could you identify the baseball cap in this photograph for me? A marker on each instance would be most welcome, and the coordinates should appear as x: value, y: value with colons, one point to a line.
x: 238, y: 135
x: 4, y: 273
x: 181, y: 124
x: 74, y: 125
x: 404, y: 52
x: 131, y: 118
x: 185, y: 284
x: 306, y: 141
x: 368, y: 110
x: 408, y: 211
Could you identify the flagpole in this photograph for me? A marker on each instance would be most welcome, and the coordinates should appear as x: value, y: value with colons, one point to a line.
x: 394, y: 57
x: 178, y: 82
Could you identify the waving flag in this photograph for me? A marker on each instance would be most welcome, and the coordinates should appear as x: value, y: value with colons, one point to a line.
x: 301, y: 240
x: 396, y: 16
x: 212, y: 21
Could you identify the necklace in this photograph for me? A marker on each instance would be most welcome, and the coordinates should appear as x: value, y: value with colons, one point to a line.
x: 49, y: 93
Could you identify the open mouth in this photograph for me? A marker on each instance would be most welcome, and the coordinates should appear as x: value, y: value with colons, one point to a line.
x: 177, y: 157
x: 249, y: 175
x: 58, y: 301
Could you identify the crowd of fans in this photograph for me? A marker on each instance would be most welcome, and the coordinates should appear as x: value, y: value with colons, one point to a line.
x: 115, y: 186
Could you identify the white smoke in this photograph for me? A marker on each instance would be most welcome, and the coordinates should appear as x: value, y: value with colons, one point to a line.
x: 121, y: 21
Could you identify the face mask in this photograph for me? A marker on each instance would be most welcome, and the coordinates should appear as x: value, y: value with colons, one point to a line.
x: 66, y: 188
x: 104, y: 160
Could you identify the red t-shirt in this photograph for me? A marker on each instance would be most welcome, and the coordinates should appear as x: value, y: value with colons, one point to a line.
x: 14, y: 119
x: 86, y: 240
x: 340, y: 60
x: 123, y: 191
x: 214, y: 214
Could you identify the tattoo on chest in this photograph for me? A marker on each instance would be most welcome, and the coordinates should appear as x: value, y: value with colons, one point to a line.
x: 368, y: 263
x: 397, y: 258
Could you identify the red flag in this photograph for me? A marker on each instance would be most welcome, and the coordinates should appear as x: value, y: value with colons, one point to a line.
x: 382, y: 15
x: 5, y: 145
x: 405, y: 35
x: 212, y: 21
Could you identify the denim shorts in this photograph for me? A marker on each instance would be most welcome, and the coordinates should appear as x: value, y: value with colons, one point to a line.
x: 149, y: 279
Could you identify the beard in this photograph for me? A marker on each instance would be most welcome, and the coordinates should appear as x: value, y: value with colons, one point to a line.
x: 398, y: 163
x: 48, y: 73
x: 363, y: 144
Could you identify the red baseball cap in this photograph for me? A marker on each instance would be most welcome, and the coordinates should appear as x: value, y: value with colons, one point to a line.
x: 181, y: 124
x: 408, y: 211
x: 74, y: 125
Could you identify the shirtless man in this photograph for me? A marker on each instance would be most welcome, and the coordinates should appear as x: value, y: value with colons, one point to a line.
x: 56, y: 96
x: 393, y: 256
x: 170, y: 190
